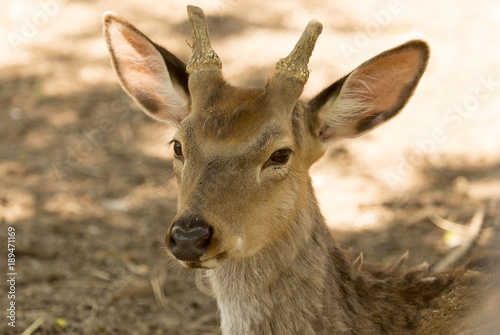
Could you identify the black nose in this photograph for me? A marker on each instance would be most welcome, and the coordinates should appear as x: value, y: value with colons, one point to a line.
x: 189, y: 238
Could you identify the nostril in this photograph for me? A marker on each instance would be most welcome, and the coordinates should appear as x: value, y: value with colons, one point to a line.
x: 194, y: 234
x: 204, y: 240
x: 171, y: 241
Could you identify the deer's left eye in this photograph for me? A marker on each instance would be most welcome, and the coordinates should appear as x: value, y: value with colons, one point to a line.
x: 177, y: 149
x: 279, y: 157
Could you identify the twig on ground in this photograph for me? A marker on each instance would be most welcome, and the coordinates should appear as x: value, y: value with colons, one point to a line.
x: 496, y: 221
x: 157, y: 283
x: 470, y: 234
x: 450, y: 226
x: 34, y: 326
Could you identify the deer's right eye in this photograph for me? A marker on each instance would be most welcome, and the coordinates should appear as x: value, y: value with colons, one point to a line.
x: 177, y: 149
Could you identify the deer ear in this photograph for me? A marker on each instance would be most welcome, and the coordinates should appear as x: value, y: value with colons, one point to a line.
x: 152, y: 76
x: 371, y: 94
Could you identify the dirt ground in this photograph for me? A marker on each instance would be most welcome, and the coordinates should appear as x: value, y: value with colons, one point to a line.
x: 85, y: 177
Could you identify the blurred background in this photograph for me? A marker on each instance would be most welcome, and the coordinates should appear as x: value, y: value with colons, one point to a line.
x: 85, y: 177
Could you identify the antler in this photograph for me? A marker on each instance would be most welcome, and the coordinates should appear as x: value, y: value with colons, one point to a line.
x: 203, y: 57
x: 287, y: 83
x: 295, y: 64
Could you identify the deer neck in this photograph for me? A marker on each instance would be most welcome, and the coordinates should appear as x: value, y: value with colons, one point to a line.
x: 289, y: 287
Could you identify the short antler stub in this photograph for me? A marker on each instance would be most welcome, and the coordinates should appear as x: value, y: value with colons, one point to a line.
x: 295, y: 64
x: 203, y: 57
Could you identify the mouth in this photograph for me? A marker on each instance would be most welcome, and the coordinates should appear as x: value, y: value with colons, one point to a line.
x: 205, y: 264
x: 209, y: 263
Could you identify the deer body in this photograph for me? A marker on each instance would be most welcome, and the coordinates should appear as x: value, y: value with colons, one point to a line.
x: 246, y: 206
x: 305, y: 285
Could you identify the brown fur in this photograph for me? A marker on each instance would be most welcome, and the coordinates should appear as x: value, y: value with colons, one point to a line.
x: 302, y: 285
x: 272, y: 264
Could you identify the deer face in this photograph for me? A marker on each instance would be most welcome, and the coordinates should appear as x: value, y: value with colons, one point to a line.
x: 235, y: 166
x: 232, y: 180
x: 242, y: 154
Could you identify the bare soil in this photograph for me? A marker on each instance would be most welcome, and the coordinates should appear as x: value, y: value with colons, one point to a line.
x: 85, y: 177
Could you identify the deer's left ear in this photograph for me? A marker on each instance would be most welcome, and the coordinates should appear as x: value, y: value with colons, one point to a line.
x: 371, y: 94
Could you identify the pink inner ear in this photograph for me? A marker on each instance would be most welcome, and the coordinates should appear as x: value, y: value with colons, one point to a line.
x: 143, y: 73
x: 374, y: 92
x: 383, y: 81
x: 138, y: 62
x: 144, y: 57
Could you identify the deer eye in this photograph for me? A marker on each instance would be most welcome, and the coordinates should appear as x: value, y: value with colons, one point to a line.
x: 177, y: 149
x: 279, y: 157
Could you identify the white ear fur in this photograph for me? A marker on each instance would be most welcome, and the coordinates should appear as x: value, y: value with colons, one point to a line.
x: 142, y: 71
x: 374, y: 92
x: 351, y: 103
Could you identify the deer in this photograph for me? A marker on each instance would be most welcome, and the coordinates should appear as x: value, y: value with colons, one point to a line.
x: 247, y: 212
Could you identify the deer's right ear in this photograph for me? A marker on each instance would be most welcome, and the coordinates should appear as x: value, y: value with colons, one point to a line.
x: 152, y: 76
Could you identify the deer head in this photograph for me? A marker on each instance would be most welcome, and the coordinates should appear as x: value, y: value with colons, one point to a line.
x: 242, y: 155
